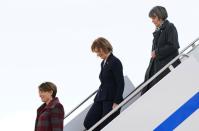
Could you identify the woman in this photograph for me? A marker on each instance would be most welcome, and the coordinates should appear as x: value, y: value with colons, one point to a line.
x: 50, y: 115
x: 111, y: 89
x: 165, y: 45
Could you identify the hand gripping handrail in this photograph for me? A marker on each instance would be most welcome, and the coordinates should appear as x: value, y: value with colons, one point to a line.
x: 80, y: 104
x: 139, y: 88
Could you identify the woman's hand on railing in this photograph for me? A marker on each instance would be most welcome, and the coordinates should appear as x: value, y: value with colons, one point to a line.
x: 114, y: 105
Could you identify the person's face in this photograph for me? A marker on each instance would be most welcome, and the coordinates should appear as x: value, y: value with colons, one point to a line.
x: 100, y: 53
x: 156, y: 21
x: 45, y: 96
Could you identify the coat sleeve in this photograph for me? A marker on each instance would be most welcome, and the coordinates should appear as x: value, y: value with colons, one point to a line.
x: 57, y: 118
x: 119, y: 78
x: 171, y: 45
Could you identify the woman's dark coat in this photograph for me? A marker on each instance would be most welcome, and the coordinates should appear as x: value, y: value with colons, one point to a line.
x: 165, y: 45
x: 112, y: 81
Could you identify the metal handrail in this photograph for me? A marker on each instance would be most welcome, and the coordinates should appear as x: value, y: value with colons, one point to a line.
x: 134, y: 93
x: 80, y: 104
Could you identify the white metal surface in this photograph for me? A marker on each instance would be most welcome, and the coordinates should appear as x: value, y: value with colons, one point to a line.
x: 76, y: 124
x: 161, y: 101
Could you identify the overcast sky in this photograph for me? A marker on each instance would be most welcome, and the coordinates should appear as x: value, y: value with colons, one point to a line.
x: 49, y: 40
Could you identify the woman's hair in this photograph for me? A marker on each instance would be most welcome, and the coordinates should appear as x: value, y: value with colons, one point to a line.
x: 102, y: 43
x: 48, y: 86
x: 158, y: 11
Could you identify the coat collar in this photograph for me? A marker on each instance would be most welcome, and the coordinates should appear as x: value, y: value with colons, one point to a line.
x: 51, y: 105
x: 157, y: 32
x: 108, y: 59
x: 163, y: 26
